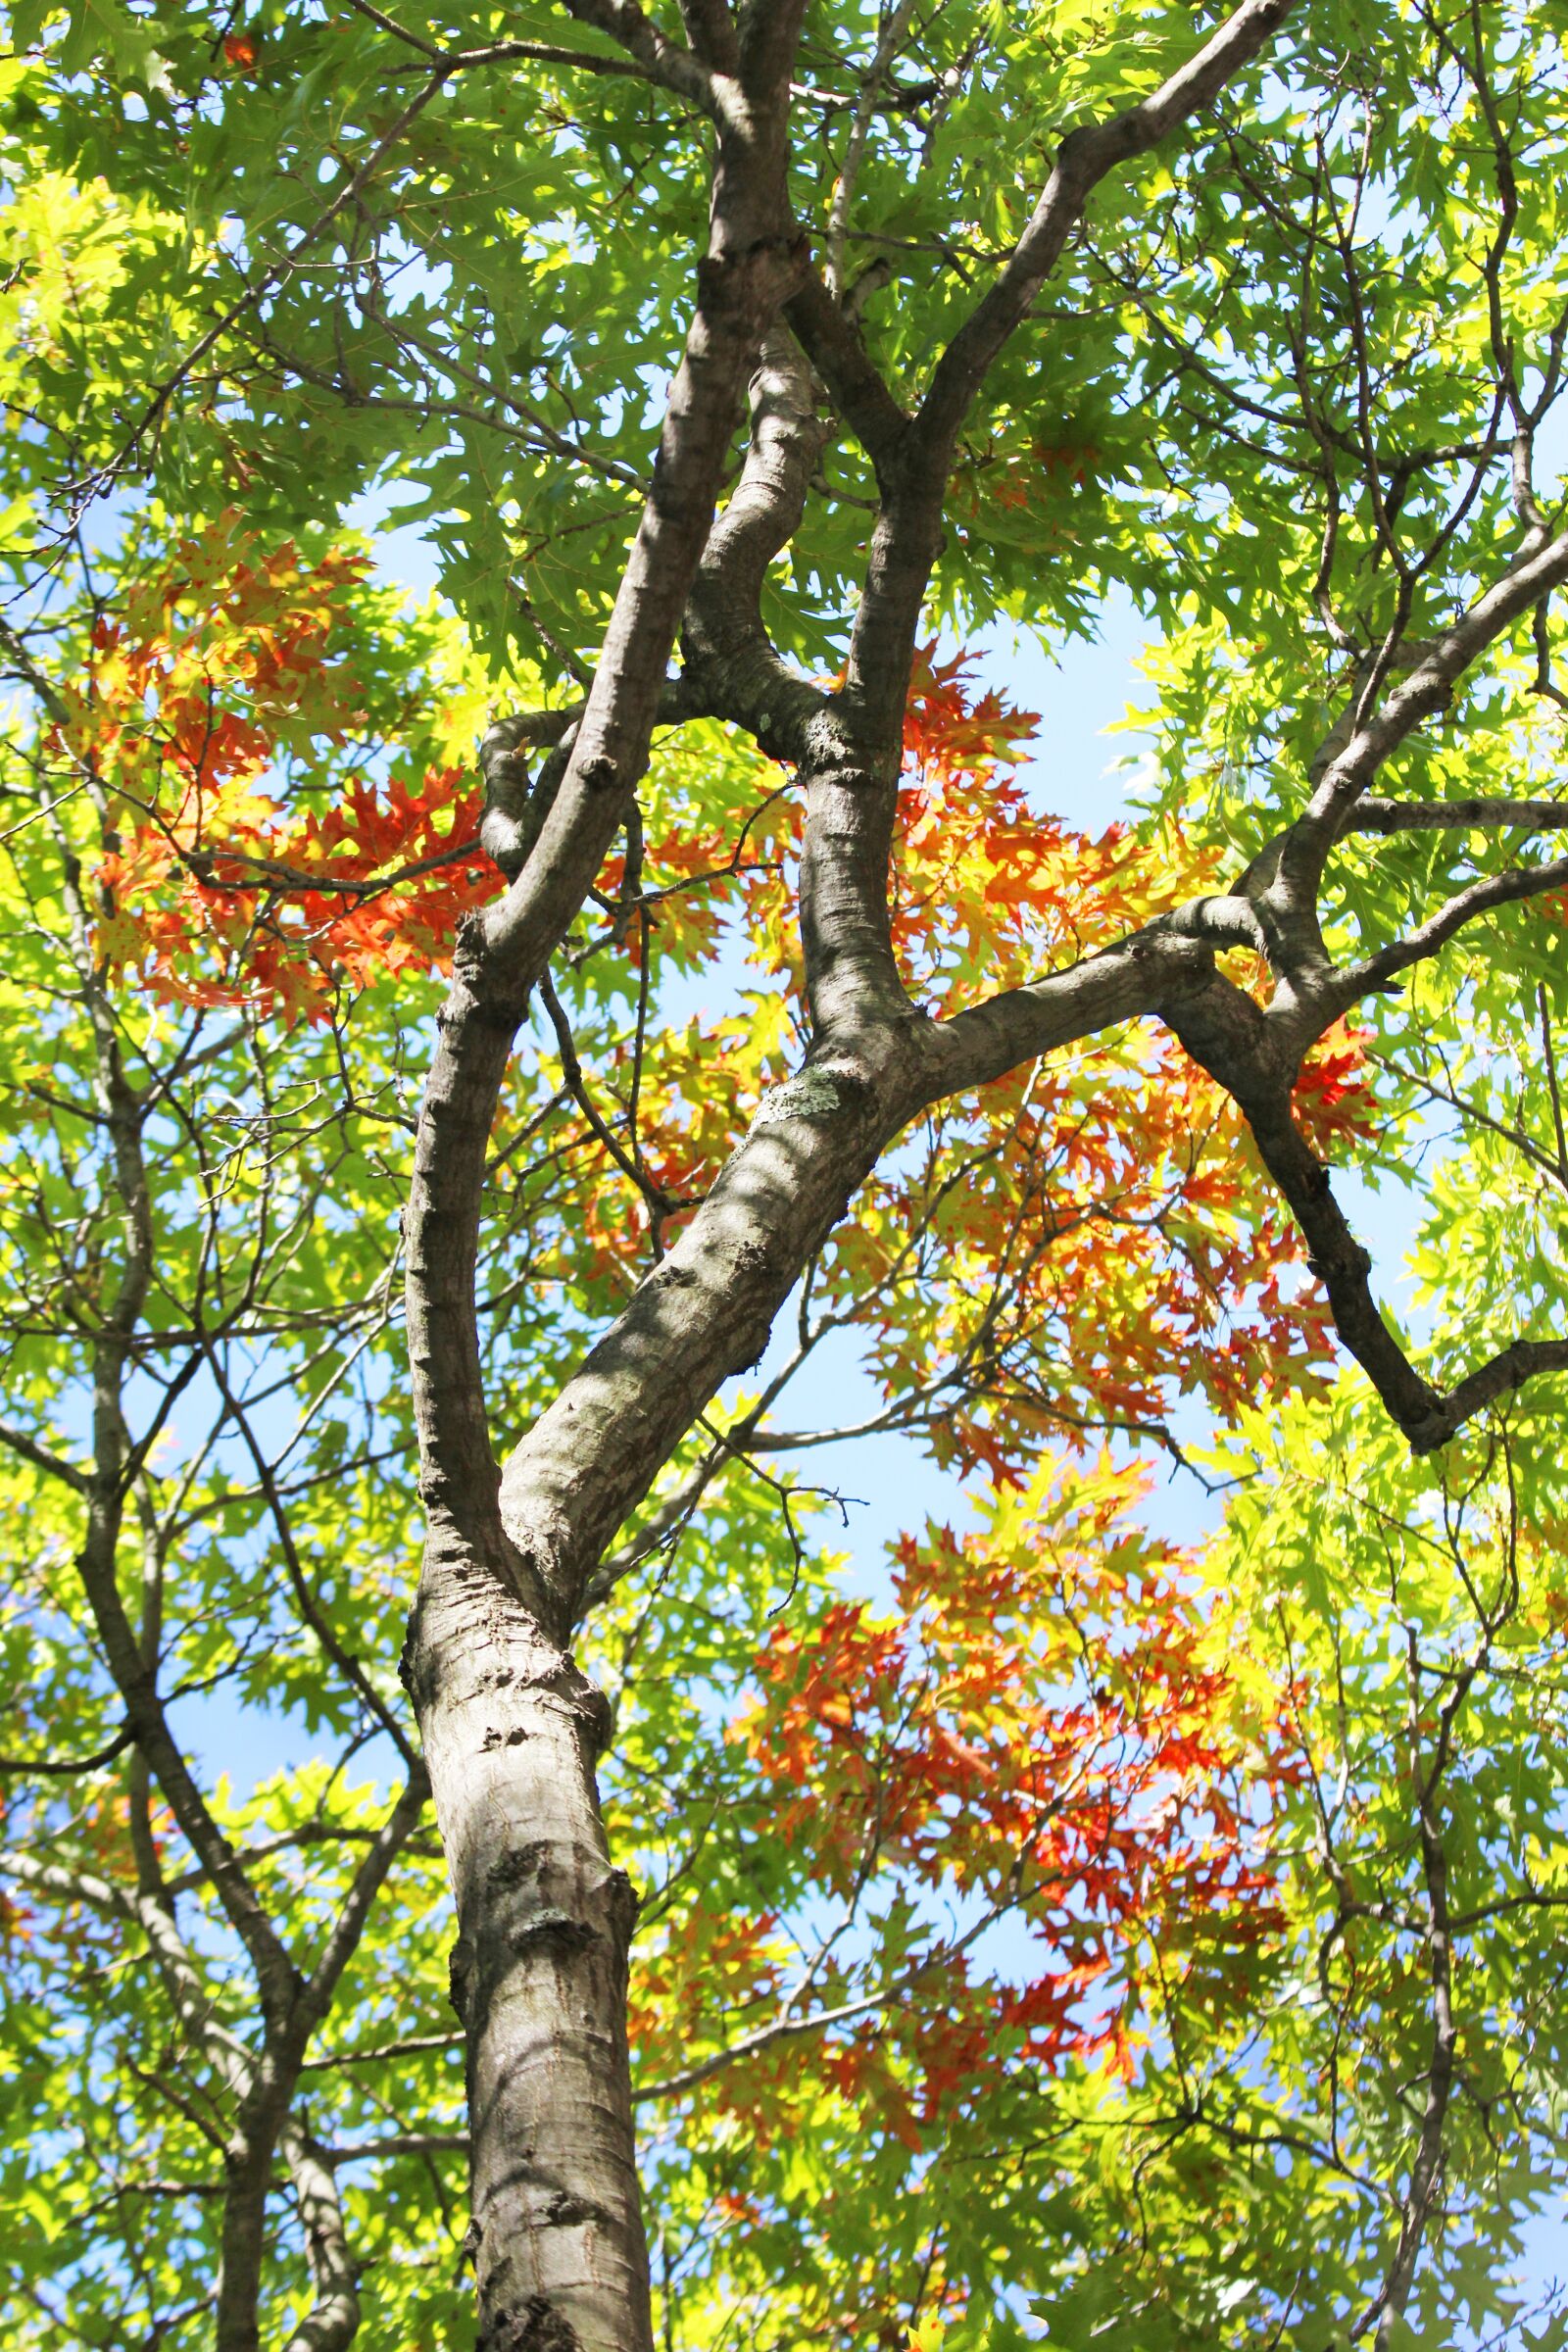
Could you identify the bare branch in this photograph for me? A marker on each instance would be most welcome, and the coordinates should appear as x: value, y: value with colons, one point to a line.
x: 1430, y: 816
x: 657, y: 1203
x: 895, y: 25
x: 369, y: 1879
x: 788, y: 2028
x: 1507, y: 889
x: 1426, y: 690
x: 509, y: 52
x: 53, y: 1464
x: 836, y: 349
x: 1230, y: 1037
x: 415, y: 2046
x: 49, y: 1768
x: 908, y: 530
x: 1556, y: 1168
x: 1426, y: 2171
x: 400, y: 2143
x: 658, y: 58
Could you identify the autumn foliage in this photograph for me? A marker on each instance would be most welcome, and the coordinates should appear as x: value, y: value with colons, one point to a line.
x: 1039, y: 1733
x: 1102, y: 1236
x: 196, y: 704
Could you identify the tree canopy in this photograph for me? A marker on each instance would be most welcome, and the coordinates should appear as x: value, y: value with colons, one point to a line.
x: 468, y: 1065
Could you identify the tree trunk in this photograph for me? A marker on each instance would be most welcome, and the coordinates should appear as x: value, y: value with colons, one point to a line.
x: 512, y: 1731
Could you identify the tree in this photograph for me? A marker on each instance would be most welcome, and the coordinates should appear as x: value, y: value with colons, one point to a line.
x: 1259, y: 318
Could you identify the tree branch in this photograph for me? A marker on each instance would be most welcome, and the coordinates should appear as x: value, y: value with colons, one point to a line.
x: 732, y: 668
x: 1084, y: 158
x: 416, y: 2046
x: 1427, y: 688
x: 1230, y: 1037
x: 749, y: 264
x: 711, y: 30
x: 1350, y: 982
x: 658, y: 58
x: 45, y: 1767
x: 973, y: 1048
x: 894, y: 23
x: 1422, y: 816
x: 836, y: 349
x: 347, y: 1929
x: 908, y: 530
x: 53, y: 1464
x: 508, y: 52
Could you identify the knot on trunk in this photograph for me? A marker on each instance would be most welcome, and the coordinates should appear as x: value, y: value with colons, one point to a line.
x: 536, y: 2326
x: 557, y: 1933
x: 623, y: 1903
x: 460, y: 1974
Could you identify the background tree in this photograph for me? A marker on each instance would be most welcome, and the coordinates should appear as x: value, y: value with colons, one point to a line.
x: 1260, y: 317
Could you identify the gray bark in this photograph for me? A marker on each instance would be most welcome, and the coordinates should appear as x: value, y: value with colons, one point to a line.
x: 512, y: 1732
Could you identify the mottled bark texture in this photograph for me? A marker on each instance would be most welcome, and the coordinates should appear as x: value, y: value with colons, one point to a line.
x: 512, y: 1732
x: 511, y: 1728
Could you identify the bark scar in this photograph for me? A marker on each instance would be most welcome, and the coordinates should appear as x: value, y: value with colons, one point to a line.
x: 516, y: 1867
x: 556, y: 1932
x: 537, y: 2328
